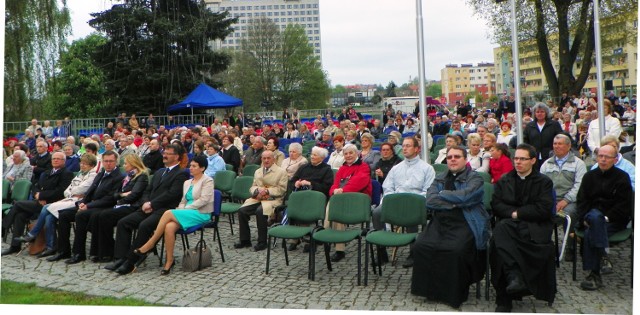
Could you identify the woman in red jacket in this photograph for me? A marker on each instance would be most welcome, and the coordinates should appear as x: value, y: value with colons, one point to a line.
x: 500, y: 162
x: 353, y: 176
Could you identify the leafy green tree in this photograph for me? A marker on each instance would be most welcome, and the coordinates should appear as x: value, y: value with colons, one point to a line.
x: 434, y: 90
x: 157, y: 51
x: 339, y: 89
x: 376, y: 99
x: 493, y: 98
x: 35, y: 33
x: 79, y: 89
x: 390, y: 90
x: 572, y: 24
x: 277, y: 67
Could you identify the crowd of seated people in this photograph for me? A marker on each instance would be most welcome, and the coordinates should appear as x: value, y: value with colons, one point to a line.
x: 300, y: 153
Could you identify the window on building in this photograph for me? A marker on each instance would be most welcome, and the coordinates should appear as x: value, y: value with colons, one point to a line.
x: 317, y: 51
x: 317, y: 38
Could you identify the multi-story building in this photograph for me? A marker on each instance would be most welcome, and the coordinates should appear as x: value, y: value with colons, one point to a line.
x: 619, y: 63
x: 282, y: 12
x: 459, y: 81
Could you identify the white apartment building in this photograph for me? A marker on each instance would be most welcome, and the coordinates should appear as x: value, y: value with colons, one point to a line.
x: 282, y: 12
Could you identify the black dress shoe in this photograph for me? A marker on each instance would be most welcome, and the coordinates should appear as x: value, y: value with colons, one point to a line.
x: 59, y: 256
x: 292, y: 246
x: 26, y: 238
x: 115, y: 265
x: 516, y: 284
x: 10, y: 250
x: 337, y: 256
x: 260, y: 246
x: 126, y: 268
x: 46, y: 252
x: 242, y: 244
x: 75, y: 258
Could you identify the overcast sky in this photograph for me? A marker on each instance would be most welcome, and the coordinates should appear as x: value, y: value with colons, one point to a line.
x: 374, y: 41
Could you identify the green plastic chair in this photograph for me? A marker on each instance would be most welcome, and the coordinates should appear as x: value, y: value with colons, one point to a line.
x: 347, y: 208
x: 486, y: 200
x: 228, y: 167
x: 21, y: 190
x: 6, y: 186
x: 402, y: 210
x: 250, y: 169
x: 618, y: 237
x: 239, y: 193
x: 224, y: 181
x: 440, y: 168
x: 485, y: 176
x: 307, y: 206
x: 441, y: 141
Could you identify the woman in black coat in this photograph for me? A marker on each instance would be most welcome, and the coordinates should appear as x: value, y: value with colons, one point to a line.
x: 388, y: 159
x: 540, y: 132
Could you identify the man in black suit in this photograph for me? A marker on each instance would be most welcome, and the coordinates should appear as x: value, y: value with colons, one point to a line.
x: 49, y: 188
x: 98, y: 197
x: 165, y: 194
x: 41, y: 162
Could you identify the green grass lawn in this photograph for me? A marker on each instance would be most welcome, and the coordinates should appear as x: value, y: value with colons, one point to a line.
x: 29, y: 293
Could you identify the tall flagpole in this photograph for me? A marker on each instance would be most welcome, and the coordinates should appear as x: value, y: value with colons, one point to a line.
x: 424, y: 121
x: 598, y: 57
x: 516, y: 71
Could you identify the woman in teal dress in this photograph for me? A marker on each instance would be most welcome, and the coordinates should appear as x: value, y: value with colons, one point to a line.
x: 195, y: 208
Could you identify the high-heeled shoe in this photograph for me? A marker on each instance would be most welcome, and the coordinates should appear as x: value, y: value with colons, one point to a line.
x: 165, y: 272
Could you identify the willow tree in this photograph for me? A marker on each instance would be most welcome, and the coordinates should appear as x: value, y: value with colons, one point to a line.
x: 562, y: 30
x: 35, y: 34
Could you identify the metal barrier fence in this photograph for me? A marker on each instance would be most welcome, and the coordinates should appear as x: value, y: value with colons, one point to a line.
x: 88, y: 126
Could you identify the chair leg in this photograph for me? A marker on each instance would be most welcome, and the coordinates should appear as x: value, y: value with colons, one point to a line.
x: 312, y: 260
x: 380, y: 259
x: 268, y: 253
x: 575, y: 256
x: 367, y: 246
x: 326, y: 255
x: 360, y: 258
x: 216, y: 232
x: 161, y: 256
x: 231, y: 222
x: 286, y: 254
x: 373, y: 259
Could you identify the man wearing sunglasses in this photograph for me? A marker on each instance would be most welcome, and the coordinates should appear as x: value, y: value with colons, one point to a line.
x: 455, y: 240
x: 522, y: 253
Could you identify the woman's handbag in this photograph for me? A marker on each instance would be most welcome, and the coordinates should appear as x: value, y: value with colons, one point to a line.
x: 197, y: 258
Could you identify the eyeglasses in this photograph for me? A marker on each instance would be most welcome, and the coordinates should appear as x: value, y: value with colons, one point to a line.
x: 517, y: 158
x: 59, y: 159
x: 451, y: 157
x: 602, y: 156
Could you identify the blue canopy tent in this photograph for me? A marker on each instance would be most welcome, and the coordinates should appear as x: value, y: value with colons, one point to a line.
x: 205, y: 97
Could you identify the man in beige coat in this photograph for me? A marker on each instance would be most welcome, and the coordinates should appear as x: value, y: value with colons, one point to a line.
x: 268, y: 190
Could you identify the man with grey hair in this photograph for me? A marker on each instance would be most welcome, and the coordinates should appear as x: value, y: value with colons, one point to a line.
x: 41, y: 162
x: 268, y: 190
x: 46, y: 189
x: 253, y: 155
x: 19, y: 169
x: 565, y: 170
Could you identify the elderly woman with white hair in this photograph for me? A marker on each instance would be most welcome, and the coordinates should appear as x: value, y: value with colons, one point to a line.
x: 295, y: 159
x: 19, y: 169
x: 353, y: 176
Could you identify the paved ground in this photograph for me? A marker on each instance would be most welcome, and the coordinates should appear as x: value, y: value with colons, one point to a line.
x: 241, y: 282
